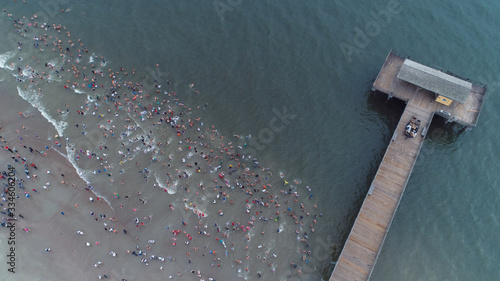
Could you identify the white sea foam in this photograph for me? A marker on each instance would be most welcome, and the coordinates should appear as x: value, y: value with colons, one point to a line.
x: 26, y: 74
x: 243, y: 274
x: 197, y: 210
x: 4, y: 58
x: 250, y: 234
x: 34, y: 99
x: 84, y: 175
x: 282, y: 226
x: 170, y: 189
x: 55, y: 64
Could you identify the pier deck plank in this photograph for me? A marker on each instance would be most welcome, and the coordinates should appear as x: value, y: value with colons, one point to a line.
x: 378, y: 209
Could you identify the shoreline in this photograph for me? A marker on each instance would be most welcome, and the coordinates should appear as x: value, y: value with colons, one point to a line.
x: 48, y: 228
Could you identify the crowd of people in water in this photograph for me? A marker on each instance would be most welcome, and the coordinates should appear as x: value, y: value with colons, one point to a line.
x: 143, y: 125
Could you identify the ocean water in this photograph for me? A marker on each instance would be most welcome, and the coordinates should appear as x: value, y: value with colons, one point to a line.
x: 288, y: 82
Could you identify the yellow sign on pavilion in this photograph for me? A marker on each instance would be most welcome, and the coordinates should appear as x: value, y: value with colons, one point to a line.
x: 443, y: 100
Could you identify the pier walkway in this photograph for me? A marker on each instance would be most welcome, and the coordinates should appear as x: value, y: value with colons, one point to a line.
x: 454, y: 98
x: 374, y: 219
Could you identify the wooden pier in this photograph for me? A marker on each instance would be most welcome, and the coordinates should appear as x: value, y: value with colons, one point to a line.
x: 454, y: 98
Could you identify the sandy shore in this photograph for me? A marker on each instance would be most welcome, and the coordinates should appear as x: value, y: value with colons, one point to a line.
x: 69, y: 257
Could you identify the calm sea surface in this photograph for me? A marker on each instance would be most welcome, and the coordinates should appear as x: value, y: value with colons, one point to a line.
x: 308, y: 67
